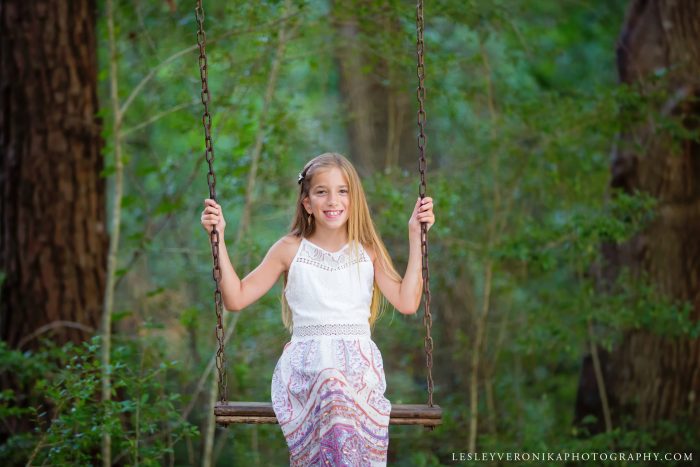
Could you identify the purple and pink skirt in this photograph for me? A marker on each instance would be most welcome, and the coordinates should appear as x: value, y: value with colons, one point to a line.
x: 328, y: 395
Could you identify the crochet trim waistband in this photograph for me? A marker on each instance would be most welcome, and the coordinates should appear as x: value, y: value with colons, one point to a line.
x: 344, y: 329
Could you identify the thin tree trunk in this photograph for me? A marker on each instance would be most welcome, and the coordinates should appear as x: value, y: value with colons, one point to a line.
x: 481, y: 328
x: 496, y: 226
x: 489, y: 372
x: 106, y: 327
x: 599, y: 377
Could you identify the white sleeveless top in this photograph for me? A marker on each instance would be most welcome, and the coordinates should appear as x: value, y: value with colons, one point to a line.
x: 329, y: 293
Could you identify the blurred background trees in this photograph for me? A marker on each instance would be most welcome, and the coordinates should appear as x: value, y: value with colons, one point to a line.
x: 562, y: 147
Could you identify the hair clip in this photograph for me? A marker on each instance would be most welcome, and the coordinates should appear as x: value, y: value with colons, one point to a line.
x: 301, y: 177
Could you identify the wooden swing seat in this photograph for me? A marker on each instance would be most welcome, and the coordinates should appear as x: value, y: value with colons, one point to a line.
x: 261, y: 412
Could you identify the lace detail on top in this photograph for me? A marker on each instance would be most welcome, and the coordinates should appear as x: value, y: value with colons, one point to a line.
x: 332, y: 330
x: 325, y: 287
x: 315, y: 256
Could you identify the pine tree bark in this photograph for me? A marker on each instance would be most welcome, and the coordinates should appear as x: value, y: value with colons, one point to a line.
x: 656, y: 377
x: 53, y: 240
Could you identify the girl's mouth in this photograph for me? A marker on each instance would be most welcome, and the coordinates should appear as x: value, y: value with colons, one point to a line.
x: 333, y: 214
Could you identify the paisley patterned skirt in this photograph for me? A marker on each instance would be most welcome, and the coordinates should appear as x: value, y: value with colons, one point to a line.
x: 328, y: 395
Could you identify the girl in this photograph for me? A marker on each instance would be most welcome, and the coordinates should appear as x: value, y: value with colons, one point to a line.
x: 328, y: 385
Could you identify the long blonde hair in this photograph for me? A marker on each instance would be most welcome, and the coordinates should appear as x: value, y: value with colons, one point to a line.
x: 360, y: 227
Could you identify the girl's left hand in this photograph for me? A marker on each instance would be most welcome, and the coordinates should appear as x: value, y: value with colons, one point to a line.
x: 422, y: 212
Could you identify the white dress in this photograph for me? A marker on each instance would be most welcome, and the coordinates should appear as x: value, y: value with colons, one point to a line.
x: 328, y: 385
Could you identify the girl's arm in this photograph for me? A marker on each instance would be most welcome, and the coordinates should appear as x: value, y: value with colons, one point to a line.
x: 405, y: 295
x: 236, y: 293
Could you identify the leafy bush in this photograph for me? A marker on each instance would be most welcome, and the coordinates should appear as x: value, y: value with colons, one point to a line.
x: 59, y: 394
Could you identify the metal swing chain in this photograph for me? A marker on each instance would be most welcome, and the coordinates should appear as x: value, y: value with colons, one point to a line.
x: 422, y: 140
x: 211, y: 181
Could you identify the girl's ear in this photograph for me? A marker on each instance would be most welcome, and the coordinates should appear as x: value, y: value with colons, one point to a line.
x: 306, y: 204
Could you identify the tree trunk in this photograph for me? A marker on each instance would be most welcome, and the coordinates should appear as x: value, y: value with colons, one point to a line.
x: 53, y: 241
x: 378, y: 97
x: 654, y: 377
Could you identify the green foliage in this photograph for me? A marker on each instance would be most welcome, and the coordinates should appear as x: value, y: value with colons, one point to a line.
x: 639, y: 304
x: 61, y: 395
x: 574, y: 237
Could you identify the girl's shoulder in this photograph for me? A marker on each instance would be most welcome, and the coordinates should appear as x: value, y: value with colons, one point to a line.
x: 288, y: 246
x: 290, y: 240
x: 370, y: 251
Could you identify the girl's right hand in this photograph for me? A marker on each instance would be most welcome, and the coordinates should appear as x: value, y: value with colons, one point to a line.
x: 213, y: 215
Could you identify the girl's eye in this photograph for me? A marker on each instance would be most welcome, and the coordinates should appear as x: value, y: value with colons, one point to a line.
x: 320, y: 192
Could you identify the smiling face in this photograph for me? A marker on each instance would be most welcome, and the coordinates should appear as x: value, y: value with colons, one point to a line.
x: 329, y: 199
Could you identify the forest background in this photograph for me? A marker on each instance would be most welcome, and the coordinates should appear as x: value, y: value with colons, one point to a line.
x: 562, y: 148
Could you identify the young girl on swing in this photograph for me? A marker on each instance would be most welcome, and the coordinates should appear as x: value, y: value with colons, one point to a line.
x: 328, y: 385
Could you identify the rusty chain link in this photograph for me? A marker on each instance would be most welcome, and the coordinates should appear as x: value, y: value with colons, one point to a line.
x: 422, y: 140
x: 211, y: 181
